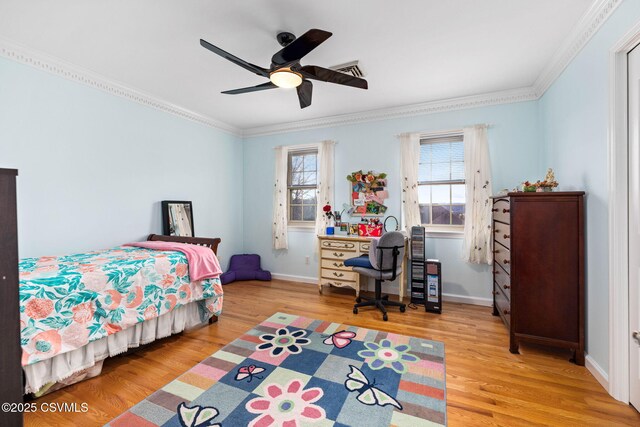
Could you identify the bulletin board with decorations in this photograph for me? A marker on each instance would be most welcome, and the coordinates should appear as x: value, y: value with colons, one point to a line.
x: 368, y: 193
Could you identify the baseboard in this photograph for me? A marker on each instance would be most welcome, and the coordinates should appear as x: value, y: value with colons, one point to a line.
x: 293, y: 278
x: 597, y: 372
x: 465, y: 299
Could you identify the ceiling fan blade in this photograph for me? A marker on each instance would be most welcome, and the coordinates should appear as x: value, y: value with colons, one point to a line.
x: 304, y: 93
x: 226, y: 55
x: 264, y: 86
x: 326, y: 75
x: 300, y: 47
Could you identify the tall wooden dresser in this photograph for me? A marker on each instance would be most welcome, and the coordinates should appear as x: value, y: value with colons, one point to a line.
x: 10, y: 350
x: 538, y: 274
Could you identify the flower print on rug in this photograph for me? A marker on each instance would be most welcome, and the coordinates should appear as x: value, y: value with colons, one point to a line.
x: 385, y: 355
x: 283, y: 341
x: 285, y: 406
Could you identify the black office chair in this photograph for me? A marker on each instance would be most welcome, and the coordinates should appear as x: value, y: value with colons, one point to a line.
x: 384, y: 263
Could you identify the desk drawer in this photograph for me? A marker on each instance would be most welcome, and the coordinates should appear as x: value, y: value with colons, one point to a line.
x: 502, y: 233
x: 364, y: 247
x: 339, y: 275
x: 334, y: 264
x: 338, y: 254
x: 339, y: 283
x: 339, y: 244
x: 501, y: 210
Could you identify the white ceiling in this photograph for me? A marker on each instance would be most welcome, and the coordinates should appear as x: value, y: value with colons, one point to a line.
x: 412, y: 51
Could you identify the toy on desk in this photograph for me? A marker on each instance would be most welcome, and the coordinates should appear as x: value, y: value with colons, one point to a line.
x: 244, y: 267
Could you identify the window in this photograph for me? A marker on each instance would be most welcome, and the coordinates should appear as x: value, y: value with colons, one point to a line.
x: 302, y: 183
x: 441, y: 188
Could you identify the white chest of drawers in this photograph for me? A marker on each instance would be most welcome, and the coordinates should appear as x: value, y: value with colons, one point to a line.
x: 333, y: 250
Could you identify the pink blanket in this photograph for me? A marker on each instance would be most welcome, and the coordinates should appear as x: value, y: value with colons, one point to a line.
x: 203, y: 263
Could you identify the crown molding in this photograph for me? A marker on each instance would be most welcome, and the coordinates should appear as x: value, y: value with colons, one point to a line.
x: 579, y: 36
x: 493, y: 98
x: 61, y: 68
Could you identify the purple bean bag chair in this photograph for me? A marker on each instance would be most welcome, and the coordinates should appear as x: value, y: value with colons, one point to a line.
x: 244, y: 267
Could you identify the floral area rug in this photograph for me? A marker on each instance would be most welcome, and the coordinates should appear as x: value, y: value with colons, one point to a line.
x: 295, y: 371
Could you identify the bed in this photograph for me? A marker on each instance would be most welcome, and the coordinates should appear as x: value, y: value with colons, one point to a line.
x: 77, y: 310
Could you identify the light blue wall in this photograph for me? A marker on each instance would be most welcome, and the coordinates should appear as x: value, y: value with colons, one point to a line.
x: 574, y: 122
x: 94, y: 167
x: 515, y: 155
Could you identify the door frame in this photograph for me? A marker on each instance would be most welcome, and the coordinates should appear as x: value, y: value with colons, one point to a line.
x: 619, y: 216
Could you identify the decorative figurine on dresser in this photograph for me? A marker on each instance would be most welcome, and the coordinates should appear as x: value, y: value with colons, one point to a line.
x: 538, y: 274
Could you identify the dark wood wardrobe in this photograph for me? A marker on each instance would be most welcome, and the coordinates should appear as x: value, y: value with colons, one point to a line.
x: 538, y: 273
x: 10, y: 351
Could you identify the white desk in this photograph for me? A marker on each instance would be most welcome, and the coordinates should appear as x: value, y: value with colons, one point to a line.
x: 333, y: 250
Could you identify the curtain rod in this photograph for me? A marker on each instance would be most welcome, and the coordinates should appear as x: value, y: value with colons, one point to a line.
x: 444, y: 132
x: 303, y: 146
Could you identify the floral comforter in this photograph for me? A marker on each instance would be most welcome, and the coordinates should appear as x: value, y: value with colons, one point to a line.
x: 69, y: 301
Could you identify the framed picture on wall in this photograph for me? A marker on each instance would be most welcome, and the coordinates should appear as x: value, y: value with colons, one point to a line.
x: 177, y: 218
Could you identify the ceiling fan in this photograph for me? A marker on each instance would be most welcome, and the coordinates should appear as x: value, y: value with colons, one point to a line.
x: 286, y: 71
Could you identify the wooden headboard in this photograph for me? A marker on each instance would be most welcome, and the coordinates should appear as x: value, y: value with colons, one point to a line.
x: 200, y: 241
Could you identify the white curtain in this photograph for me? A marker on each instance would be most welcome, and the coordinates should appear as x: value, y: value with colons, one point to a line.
x: 409, y: 157
x: 326, y: 152
x: 477, y: 224
x: 279, y: 228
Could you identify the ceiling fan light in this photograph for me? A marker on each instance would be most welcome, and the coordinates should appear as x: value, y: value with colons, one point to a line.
x: 285, y: 78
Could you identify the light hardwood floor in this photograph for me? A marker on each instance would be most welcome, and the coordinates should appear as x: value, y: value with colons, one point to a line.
x: 486, y: 385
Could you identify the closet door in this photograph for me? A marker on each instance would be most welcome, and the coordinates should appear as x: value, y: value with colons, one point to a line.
x: 634, y: 227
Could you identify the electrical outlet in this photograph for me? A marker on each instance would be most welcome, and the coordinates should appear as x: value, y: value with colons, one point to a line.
x: 306, y: 260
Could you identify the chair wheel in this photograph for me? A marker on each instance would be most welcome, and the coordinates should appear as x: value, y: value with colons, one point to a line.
x: 384, y: 317
x: 402, y: 309
x: 355, y: 310
x: 358, y: 299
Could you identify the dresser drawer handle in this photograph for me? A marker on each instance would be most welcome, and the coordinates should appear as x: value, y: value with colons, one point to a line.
x: 338, y: 274
x: 335, y: 264
x: 338, y: 245
x: 494, y: 210
x: 494, y: 292
x: 506, y: 236
x: 506, y: 312
x: 505, y: 210
x: 496, y: 272
x: 506, y: 286
x: 496, y: 251
x: 338, y: 254
x: 506, y: 261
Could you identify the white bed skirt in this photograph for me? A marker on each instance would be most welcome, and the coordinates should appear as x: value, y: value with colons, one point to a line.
x: 64, y: 365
